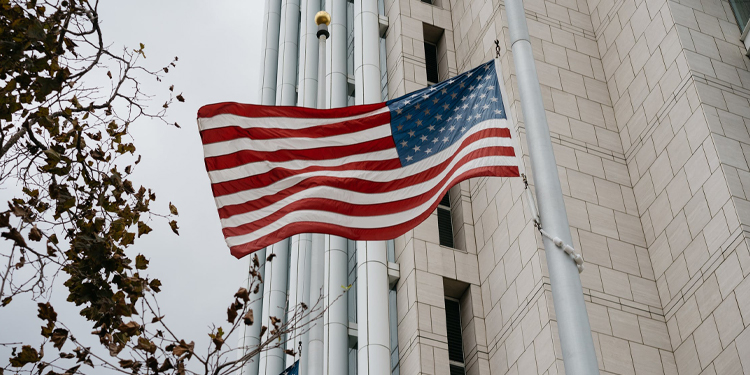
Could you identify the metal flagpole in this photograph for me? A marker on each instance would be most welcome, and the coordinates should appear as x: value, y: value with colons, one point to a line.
x: 570, y: 309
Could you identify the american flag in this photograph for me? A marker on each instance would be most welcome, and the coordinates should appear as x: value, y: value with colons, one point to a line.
x: 368, y: 172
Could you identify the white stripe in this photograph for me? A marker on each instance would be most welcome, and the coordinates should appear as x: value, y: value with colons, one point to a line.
x: 252, y: 169
x: 225, y: 120
x: 266, y: 145
x: 376, y: 176
x: 365, y: 222
x: 350, y: 197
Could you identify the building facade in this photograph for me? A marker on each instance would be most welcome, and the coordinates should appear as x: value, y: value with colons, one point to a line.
x: 648, y: 103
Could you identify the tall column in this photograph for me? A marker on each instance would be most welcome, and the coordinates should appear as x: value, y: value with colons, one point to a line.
x: 292, y: 302
x: 299, y: 292
x: 308, y: 54
x: 366, y: 52
x: 274, y: 304
x: 336, y: 319
x: 286, y: 81
x: 373, y: 352
x: 336, y: 79
x: 250, y: 336
x: 270, y: 52
x: 315, y: 340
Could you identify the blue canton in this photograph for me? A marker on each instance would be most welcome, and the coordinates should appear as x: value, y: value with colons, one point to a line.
x: 430, y: 120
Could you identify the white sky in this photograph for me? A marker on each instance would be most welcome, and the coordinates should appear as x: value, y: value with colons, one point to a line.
x: 218, y: 43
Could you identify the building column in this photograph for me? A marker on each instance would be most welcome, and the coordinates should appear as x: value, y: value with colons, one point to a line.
x: 274, y: 304
x: 366, y: 60
x: 335, y: 320
x: 286, y: 81
x: 250, y: 336
x: 373, y: 351
x: 315, y: 353
x: 299, y: 292
x: 308, y: 54
x: 270, y: 51
x: 336, y: 75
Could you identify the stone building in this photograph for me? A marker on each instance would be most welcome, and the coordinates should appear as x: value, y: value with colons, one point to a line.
x: 648, y: 106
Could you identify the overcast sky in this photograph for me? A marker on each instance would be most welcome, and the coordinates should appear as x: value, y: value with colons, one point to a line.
x: 218, y: 44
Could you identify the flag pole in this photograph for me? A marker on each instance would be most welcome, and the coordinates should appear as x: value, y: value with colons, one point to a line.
x: 573, y: 325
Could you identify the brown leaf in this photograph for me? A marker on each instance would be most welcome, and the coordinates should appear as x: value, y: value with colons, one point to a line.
x: 146, y: 345
x: 15, y: 236
x: 157, y: 319
x: 243, y: 294
x: 35, y: 234
x: 173, y: 225
x: 248, y: 318
x: 255, y: 260
x: 270, y: 257
x: 4, y: 219
x: 263, y: 330
x: 165, y: 366
x: 171, y: 88
x: 183, y: 348
x: 231, y: 315
x: 173, y: 209
x: 130, y: 328
x: 290, y: 352
x: 180, y: 98
x: 59, y: 336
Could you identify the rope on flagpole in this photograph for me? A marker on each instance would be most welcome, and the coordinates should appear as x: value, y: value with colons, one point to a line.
x: 577, y: 258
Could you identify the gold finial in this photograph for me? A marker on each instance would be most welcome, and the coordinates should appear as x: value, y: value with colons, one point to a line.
x: 322, y: 17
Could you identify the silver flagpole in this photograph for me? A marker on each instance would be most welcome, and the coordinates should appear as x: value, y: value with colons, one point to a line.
x: 570, y: 309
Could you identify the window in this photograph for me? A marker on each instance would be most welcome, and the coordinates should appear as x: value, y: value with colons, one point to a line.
x: 455, y: 337
x: 431, y: 60
x: 741, y: 9
x: 445, y: 224
x: 427, y: 1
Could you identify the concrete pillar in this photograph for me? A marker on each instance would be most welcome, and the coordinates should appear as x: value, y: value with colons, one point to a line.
x: 270, y: 52
x: 250, y: 335
x: 315, y: 351
x: 308, y: 54
x: 373, y: 351
x: 274, y: 304
x: 286, y: 81
x: 299, y: 291
x: 366, y: 52
x: 336, y: 79
x: 335, y: 320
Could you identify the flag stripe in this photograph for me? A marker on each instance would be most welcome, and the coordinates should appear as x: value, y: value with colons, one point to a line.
x: 261, y: 132
x: 418, y: 172
x: 242, y: 249
x: 287, y: 144
x: 249, y: 156
x: 260, y: 111
x: 338, y: 202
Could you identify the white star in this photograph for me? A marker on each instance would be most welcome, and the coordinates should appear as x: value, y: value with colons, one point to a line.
x: 463, y: 99
x: 441, y: 129
x: 417, y: 106
x: 416, y: 148
x: 444, y: 91
x: 499, y: 112
x: 490, y: 87
x: 406, y: 102
x: 454, y: 95
x: 426, y: 111
x: 411, y: 133
x: 452, y: 128
x: 425, y: 96
x: 493, y: 100
x: 427, y: 151
x: 435, y: 140
x: 449, y: 118
x: 445, y: 139
x: 486, y: 106
x: 465, y: 106
x: 483, y: 96
x: 433, y: 88
x: 463, y: 129
x: 479, y: 86
x: 435, y: 100
x: 408, y: 158
x: 486, y: 67
x: 461, y: 85
x: 476, y: 106
x: 472, y: 96
x: 431, y: 127
x: 469, y: 74
x: 445, y: 107
x: 458, y: 117
x: 408, y: 117
x: 438, y: 117
x: 451, y: 81
x: 404, y: 144
x: 399, y: 111
x: 423, y: 138
x: 419, y: 122
x: 456, y: 109
x: 471, y: 87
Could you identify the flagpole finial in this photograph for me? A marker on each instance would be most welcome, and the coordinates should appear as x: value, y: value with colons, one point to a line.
x: 322, y: 17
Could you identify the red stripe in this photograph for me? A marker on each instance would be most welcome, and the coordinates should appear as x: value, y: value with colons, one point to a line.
x: 251, y: 110
x: 336, y: 206
x: 375, y: 234
x: 248, y: 183
x: 243, y: 157
x: 329, y: 130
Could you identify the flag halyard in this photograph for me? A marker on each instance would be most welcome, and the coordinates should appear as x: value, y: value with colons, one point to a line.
x: 368, y: 172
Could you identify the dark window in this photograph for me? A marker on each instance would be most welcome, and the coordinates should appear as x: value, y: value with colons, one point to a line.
x: 427, y: 1
x: 741, y: 9
x: 445, y: 224
x: 455, y: 339
x: 431, y: 60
